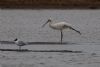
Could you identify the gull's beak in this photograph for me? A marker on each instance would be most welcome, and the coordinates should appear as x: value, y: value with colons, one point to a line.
x: 44, y: 24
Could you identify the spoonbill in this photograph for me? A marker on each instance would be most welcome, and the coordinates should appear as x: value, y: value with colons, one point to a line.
x: 19, y: 43
x: 60, y: 26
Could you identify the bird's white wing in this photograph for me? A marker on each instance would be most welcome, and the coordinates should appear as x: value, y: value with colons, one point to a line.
x: 70, y: 26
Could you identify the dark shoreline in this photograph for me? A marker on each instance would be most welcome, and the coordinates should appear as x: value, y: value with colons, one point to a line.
x: 49, y: 4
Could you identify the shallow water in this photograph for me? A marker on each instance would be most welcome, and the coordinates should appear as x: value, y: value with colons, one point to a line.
x: 26, y: 25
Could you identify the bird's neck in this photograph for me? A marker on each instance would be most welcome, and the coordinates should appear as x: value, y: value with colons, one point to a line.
x: 50, y: 22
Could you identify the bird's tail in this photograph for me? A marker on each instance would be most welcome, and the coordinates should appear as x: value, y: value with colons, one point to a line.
x: 75, y: 30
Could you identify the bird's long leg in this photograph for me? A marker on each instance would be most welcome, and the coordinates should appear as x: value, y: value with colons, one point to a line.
x: 61, y: 36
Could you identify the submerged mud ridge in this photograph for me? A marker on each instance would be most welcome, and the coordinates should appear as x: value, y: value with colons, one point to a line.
x: 39, y: 43
x: 26, y: 50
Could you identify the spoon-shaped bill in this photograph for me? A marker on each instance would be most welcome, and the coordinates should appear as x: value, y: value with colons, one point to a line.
x: 44, y: 24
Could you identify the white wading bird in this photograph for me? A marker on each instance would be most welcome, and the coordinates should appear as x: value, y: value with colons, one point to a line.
x: 60, y: 26
x: 19, y: 43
